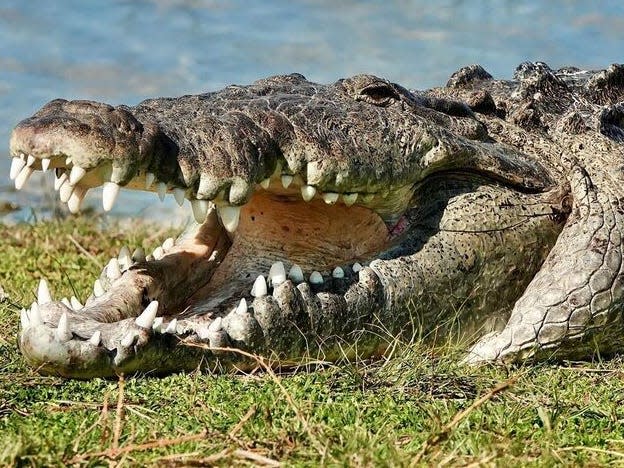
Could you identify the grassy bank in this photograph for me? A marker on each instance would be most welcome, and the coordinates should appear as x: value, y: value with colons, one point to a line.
x: 416, y: 407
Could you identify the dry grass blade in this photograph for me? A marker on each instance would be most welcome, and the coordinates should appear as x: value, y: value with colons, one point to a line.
x: 119, y: 412
x: 236, y: 429
x: 459, y: 417
x: 84, y: 251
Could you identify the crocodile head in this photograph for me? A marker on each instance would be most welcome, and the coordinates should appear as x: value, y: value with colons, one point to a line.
x: 330, y: 218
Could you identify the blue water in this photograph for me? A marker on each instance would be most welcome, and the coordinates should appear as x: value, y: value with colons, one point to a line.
x: 125, y: 51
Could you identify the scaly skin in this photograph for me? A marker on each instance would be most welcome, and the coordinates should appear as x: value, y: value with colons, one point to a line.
x: 488, y: 207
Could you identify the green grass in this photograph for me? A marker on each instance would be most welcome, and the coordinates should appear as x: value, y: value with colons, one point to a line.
x: 416, y: 407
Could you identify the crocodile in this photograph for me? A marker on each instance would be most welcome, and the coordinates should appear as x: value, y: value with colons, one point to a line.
x: 333, y: 219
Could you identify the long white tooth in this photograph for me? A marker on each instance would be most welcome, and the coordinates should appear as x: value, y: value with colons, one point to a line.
x: 356, y: 267
x: 75, y: 303
x: 17, y: 165
x: 146, y: 319
x: 296, y: 274
x: 265, y: 183
x: 161, y: 188
x: 169, y: 242
x: 349, y: 198
x: 66, y: 302
x: 74, y: 202
x: 65, y: 192
x: 171, y: 328
x: 76, y: 174
x: 259, y: 287
x: 330, y: 197
x: 200, y: 210
x: 178, y: 194
x: 138, y: 255
x: 35, y: 315
x: 113, y: 271
x: 43, y: 292
x: 23, y: 177
x: 216, y: 325
x: 338, y: 272
x: 98, y: 289
x: 241, y: 308
x: 128, y: 340
x: 230, y: 216
x: 109, y: 195
x: 59, y: 181
x: 30, y: 160
x: 45, y: 164
x: 158, y: 253
x: 63, y: 332
x: 287, y: 180
x: 277, y: 274
x: 149, y: 179
x: 124, y: 258
x: 316, y: 278
x: 24, y: 320
x: 96, y: 338
x: 308, y: 192
x: 157, y: 325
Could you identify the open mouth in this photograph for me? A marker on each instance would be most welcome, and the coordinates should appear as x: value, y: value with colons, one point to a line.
x: 290, y: 245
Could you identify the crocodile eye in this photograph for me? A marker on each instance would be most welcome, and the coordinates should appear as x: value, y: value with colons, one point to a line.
x: 379, y: 94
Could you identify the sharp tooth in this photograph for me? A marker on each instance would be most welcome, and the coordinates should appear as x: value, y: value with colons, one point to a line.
x: 161, y: 188
x: 349, y: 198
x: 178, y: 194
x: 22, y: 157
x: 65, y: 192
x: 66, y: 302
x: 277, y: 274
x: 169, y: 242
x: 63, y: 333
x: 25, y: 321
x: 23, y: 177
x: 338, y: 272
x: 200, y: 210
x: 17, y: 165
x: 149, y: 180
x: 265, y: 183
x: 158, y: 253
x: 109, y: 195
x: 75, y: 303
x: 43, y: 292
x: 68, y: 161
x: 241, y: 308
x: 30, y: 160
x: 157, y: 325
x: 113, y: 271
x: 35, y: 315
x: 124, y: 258
x: 259, y: 287
x: 146, y: 319
x: 356, y: 267
x: 138, y: 255
x: 296, y: 274
x: 45, y: 164
x: 128, y: 340
x: 286, y: 180
x: 316, y: 278
x: 74, y: 202
x: 96, y: 338
x: 98, y: 289
x: 216, y: 325
x: 330, y: 197
x: 59, y: 181
x: 308, y: 192
x: 76, y: 174
x: 230, y: 216
x: 171, y: 328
